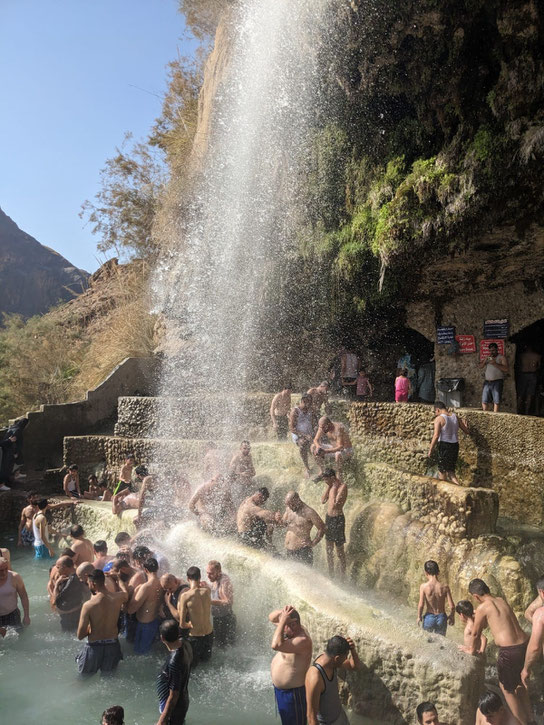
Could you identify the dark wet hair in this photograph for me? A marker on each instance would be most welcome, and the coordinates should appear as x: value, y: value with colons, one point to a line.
x: 131, y: 456
x: 141, y: 471
x: 31, y: 495
x: 493, y: 345
x: 122, y: 536
x: 42, y: 503
x: 114, y: 715
x: 97, y: 576
x: 465, y: 607
x: 76, y: 531
x: 306, y: 396
x: 124, y: 555
x: 431, y: 567
x: 193, y: 574
x: 479, y: 587
x: 73, y: 467
x: 337, y: 646
x: 141, y: 553
x: 295, y: 615
x: 92, y: 477
x: 540, y: 584
x: 68, y: 552
x: 265, y: 493
x: 439, y: 405
x: 100, y: 546
x: 424, y: 707
x: 489, y: 703
x: 169, y: 630
x: 151, y: 565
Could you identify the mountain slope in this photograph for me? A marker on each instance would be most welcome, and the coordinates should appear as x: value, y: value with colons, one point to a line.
x: 32, y: 276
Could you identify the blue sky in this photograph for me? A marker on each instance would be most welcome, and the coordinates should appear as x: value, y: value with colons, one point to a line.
x: 67, y: 74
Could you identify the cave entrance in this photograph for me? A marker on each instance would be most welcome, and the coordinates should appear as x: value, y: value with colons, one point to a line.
x: 528, y: 369
x: 418, y: 358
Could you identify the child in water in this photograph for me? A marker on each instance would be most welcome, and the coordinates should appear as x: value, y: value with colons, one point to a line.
x: 432, y: 597
x: 402, y: 387
x: 364, y: 388
x: 465, y: 610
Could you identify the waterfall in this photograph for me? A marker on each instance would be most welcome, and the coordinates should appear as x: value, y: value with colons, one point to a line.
x: 217, y: 292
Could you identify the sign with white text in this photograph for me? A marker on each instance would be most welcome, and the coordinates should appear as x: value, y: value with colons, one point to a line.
x: 445, y: 335
x: 467, y: 343
x: 496, y: 329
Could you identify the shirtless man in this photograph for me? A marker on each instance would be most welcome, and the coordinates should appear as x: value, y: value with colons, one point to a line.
x: 127, y: 497
x: 289, y: 666
x: 195, y: 614
x: 536, y: 641
x: 433, y: 596
x: 25, y: 537
x: 300, y: 519
x: 338, y: 448
x: 83, y: 571
x: 492, y: 710
x: 335, y: 495
x: 254, y: 522
x: 125, y: 474
x: 101, y: 556
x: 511, y: 640
x: 81, y: 546
x: 11, y: 587
x: 213, y: 461
x: 98, y: 622
x: 242, y: 473
x: 212, y: 504
x: 279, y: 412
x: 301, y: 427
x: 465, y: 610
x: 320, y: 396
x: 145, y: 602
x: 173, y: 588
x: 120, y: 578
x: 427, y: 714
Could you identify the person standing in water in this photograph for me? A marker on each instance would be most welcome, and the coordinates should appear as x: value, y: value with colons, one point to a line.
x: 322, y: 697
x: 301, y: 427
x: 99, y: 623
x: 335, y: 496
x: 42, y: 546
x: 25, y: 537
x: 433, y: 596
x: 224, y: 619
x: 195, y: 614
x: 446, y: 435
x: 173, y: 679
x: 145, y: 602
x: 288, y: 668
x: 254, y: 522
x: 81, y: 546
x: 496, y: 613
x: 279, y: 412
x: 11, y: 587
x: 299, y: 518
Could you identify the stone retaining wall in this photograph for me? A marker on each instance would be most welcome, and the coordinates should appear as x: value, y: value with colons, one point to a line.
x: 504, y: 451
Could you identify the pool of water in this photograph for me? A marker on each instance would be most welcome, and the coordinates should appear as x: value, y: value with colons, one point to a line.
x: 39, y: 682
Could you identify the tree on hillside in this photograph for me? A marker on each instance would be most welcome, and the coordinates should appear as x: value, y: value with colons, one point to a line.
x: 124, y: 208
x: 202, y: 16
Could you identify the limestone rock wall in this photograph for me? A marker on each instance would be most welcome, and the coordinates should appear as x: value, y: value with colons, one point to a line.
x: 503, y: 452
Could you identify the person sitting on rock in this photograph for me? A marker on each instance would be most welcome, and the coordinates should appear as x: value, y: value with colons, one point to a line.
x: 127, y: 498
x: 432, y: 596
x: 70, y: 483
x: 338, y: 446
x: 97, y: 491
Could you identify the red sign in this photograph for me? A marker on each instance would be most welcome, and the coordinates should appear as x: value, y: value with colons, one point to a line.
x: 467, y: 343
x: 484, y: 347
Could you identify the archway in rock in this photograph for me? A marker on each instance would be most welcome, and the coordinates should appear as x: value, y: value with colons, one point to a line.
x: 528, y: 368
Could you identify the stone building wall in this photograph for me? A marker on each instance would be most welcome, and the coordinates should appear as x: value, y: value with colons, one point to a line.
x: 467, y: 313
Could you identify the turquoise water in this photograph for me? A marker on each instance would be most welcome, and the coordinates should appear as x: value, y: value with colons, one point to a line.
x: 39, y: 682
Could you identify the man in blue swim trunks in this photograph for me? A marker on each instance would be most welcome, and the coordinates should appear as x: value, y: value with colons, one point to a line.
x: 146, y: 602
x: 432, y: 596
x: 293, y: 646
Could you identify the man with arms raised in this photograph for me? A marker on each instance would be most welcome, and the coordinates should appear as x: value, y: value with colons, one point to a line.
x: 254, y: 522
x: 323, y: 701
x: 511, y: 640
x: 98, y: 622
x: 81, y: 546
x: 289, y: 666
x: 300, y: 519
x: 279, y: 412
x: 11, y: 587
x: 335, y: 496
x: 224, y: 619
x: 338, y: 447
x: 145, y: 602
x: 195, y: 614
x: 173, y: 679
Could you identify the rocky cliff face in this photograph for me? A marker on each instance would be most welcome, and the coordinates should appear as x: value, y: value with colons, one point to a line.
x: 32, y: 276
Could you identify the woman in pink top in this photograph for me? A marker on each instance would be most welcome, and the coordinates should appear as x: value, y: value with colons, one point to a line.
x: 402, y: 387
